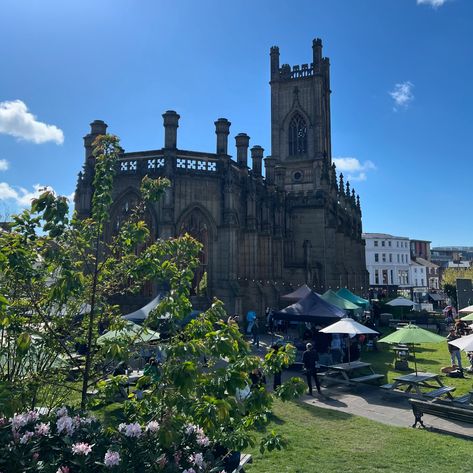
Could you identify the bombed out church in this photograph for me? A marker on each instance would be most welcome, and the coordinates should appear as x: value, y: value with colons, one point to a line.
x: 264, y: 233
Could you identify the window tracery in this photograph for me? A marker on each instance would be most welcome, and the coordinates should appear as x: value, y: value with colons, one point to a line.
x: 297, y: 135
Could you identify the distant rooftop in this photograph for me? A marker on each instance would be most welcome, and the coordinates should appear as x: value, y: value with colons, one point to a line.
x: 382, y: 236
x: 453, y: 248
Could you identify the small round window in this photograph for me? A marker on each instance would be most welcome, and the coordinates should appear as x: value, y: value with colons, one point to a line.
x: 297, y: 176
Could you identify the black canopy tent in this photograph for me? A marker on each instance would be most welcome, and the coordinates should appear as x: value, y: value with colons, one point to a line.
x: 311, y: 308
x: 298, y: 294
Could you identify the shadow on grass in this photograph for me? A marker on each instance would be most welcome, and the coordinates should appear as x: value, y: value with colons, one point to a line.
x: 323, y: 413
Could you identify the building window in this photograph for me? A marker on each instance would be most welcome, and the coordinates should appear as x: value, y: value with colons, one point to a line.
x: 376, y: 243
x: 376, y: 257
x: 398, y: 258
x: 422, y: 282
x: 376, y: 276
x: 383, y: 243
x: 390, y: 257
x: 385, y: 276
x: 389, y: 243
x: 297, y: 136
x: 384, y: 257
x: 392, y: 276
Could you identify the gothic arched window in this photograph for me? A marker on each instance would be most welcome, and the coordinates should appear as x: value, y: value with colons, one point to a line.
x: 196, y: 225
x: 297, y: 135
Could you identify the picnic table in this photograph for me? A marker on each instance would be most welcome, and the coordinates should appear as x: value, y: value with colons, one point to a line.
x: 415, y: 383
x: 349, y: 371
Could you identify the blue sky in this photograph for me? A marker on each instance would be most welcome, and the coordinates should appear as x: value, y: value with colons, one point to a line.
x: 401, y: 79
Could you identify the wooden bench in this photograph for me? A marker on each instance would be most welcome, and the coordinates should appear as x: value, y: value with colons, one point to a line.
x: 368, y: 377
x: 465, y: 399
x: 244, y: 459
x: 445, y: 411
x: 388, y: 386
x: 440, y: 392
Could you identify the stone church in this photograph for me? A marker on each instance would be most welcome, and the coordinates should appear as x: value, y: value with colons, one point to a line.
x: 263, y: 233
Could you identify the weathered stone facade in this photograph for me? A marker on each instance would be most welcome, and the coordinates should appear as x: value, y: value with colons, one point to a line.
x: 262, y: 235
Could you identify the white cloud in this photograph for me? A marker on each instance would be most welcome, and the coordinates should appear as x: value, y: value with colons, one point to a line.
x: 354, y: 169
x: 17, y: 121
x: 402, y: 94
x: 4, y: 165
x: 432, y: 3
x: 19, y: 195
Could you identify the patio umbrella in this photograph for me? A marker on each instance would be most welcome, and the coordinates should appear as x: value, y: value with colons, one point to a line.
x: 412, y: 334
x: 350, y: 327
x: 400, y: 302
x: 130, y: 331
x: 466, y: 310
x: 468, y: 317
x: 464, y: 343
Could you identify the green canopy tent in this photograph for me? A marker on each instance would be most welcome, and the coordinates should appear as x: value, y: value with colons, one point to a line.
x: 412, y: 335
x: 130, y: 331
x: 333, y: 298
x: 349, y: 296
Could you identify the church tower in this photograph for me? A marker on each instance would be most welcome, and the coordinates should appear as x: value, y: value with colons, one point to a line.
x: 300, y: 119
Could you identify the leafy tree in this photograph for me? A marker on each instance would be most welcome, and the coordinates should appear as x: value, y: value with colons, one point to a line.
x: 59, y: 275
x: 449, y: 281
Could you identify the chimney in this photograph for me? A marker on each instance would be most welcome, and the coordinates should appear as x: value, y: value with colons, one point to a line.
x: 269, y: 165
x: 274, y: 54
x: 317, y: 52
x: 97, y: 127
x: 242, y: 142
x: 257, y: 158
x: 171, y: 123
x: 222, y: 130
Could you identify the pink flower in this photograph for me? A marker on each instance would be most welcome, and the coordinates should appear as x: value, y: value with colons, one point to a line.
x: 42, y: 429
x: 63, y: 469
x: 198, y: 459
x: 65, y: 423
x: 81, y: 448
x: 24, y: 439
x: 152, y: 426
x: 190, y: 470
x: 130, y: 430
x: 111, y: 458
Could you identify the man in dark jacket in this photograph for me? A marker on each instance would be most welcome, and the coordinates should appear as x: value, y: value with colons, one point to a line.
x: 310, y: 358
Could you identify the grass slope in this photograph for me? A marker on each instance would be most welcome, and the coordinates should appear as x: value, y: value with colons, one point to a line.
x: 326, y: 441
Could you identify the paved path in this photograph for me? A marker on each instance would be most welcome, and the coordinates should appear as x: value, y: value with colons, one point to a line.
x: 372, y: 402
x: 387, y: 408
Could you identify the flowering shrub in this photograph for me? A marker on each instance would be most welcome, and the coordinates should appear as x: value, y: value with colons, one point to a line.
x: 67, y: 442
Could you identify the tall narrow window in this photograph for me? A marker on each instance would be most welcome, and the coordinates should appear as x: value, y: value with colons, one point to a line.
x: 297, y: 135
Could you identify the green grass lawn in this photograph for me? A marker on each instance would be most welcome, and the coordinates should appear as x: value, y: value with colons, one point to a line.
x: 326, y: 441
x: 430, y: 358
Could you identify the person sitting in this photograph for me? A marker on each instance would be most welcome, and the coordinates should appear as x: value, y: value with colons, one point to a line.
x: 257, y: 379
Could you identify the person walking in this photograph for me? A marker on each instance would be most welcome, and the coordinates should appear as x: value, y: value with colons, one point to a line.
x: 250, y: 320
x: 454, y: 351
x: 255, y: 333
x: 310, y: 358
